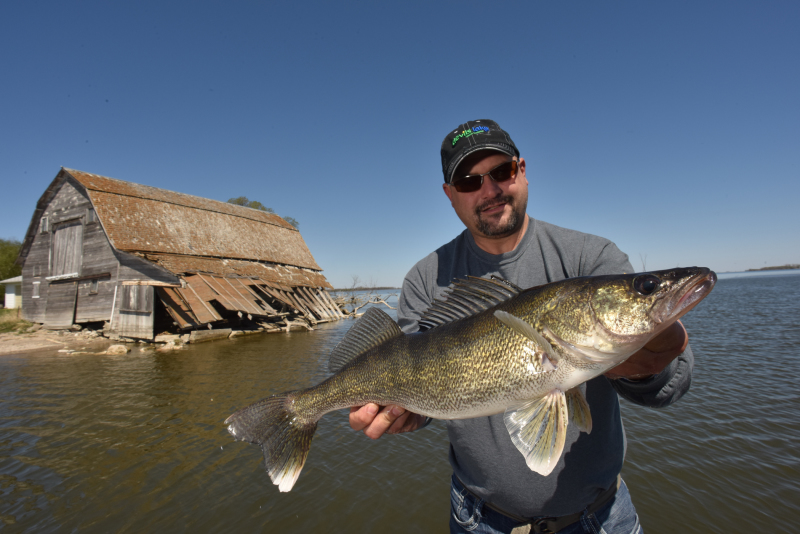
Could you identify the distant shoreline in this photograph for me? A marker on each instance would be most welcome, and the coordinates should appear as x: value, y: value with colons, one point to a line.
x: 777, y: 268
x: 366, y: 289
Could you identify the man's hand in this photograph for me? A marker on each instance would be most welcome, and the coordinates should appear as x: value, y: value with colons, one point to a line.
x: 655, y: 356
x: 376, y: 420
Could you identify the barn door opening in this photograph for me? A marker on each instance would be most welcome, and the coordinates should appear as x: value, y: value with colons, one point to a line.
x: 60, y: 308
x: 135, y: 317
x: 67, y: 249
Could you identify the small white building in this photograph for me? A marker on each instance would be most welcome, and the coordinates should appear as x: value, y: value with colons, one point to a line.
x: 13, y: 292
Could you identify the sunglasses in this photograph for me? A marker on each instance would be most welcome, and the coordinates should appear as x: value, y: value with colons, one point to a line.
x: 472, y: 182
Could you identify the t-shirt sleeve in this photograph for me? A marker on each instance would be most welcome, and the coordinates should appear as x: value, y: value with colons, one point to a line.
x: 416, y: 294
x: 600, y: 256
x: 663, y: 389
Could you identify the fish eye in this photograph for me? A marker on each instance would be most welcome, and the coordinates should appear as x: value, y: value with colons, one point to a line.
x: 646, y: 284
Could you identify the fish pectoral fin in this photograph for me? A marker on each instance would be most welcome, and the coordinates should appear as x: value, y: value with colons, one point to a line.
x: 538, y: 429
x: 527, y: 330
x: 579, y: 413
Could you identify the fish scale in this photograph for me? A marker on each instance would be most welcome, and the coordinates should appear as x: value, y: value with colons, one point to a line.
x: 523, y: 353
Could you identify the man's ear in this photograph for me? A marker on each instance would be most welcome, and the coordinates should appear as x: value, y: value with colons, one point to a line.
x: 448, y: 192
x: 521, y: 171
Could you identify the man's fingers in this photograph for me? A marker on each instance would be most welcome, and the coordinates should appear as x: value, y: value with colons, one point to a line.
x: 385, y: 418
x: 400, y: 424
x: 363, y: 416
x: 376, y: 420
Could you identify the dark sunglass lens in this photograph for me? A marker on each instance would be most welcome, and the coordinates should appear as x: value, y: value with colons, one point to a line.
x: 468, y: 184
x: 505, y: 172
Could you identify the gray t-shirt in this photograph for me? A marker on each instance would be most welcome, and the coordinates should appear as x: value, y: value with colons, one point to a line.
x: 481, y: 452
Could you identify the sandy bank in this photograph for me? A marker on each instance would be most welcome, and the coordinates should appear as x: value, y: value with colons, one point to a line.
x: 48, y: 340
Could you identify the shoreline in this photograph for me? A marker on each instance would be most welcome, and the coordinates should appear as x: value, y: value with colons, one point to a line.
x: 92, y: 342
x: 50, y: 340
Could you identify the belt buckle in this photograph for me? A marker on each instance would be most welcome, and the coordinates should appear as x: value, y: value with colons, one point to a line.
x: 540, y: 525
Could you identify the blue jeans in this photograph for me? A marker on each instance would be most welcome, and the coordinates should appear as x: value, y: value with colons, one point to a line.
x: 468, y: 514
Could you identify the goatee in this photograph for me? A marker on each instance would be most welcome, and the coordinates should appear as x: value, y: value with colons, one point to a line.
x: 489, y: 229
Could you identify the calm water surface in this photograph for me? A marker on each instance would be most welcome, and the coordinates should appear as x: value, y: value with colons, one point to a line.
x: 136, y: 443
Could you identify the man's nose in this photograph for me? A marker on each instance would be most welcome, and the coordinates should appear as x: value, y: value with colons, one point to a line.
x: 490, y: 187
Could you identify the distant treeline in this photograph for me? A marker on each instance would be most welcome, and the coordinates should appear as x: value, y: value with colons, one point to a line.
x: 778, y: 267
x: 381, y: 288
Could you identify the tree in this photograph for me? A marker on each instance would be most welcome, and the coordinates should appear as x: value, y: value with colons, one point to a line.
x: 9, y: 250
x: 247, y: 203
x: 256, y: 205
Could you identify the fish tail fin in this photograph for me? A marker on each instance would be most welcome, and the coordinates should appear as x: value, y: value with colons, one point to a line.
x: 283, y: 437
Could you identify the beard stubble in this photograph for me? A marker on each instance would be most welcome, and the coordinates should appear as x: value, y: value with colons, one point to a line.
x: 513, y: 224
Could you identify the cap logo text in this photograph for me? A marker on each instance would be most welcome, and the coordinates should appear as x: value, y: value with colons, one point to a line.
x: 468, y: 133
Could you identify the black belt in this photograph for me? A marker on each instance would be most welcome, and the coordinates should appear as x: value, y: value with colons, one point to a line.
x: 551, y: 525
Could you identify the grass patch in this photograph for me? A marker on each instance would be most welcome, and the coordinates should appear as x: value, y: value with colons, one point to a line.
x: 10, y: 321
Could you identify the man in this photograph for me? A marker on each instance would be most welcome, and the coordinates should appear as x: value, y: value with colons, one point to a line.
x: 492, y: 488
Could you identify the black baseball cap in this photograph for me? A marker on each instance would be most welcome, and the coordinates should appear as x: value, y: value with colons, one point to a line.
x: 470, y: 137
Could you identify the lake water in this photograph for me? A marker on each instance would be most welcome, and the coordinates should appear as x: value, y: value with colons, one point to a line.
x: 135, y: 443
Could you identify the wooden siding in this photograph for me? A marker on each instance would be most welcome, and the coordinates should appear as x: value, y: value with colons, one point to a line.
x: 60, y: 309
x: 94, y: 305
x: 133, y: 316
x: 49, y: 257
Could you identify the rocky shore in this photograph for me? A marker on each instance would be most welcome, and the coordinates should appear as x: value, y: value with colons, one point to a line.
x: 37, y: 338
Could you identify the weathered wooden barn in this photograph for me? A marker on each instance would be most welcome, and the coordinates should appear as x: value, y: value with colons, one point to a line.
x: 130, y: 255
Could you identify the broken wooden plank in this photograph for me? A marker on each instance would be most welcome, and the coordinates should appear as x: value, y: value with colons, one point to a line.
x: 219, y: 295
x: 248, y: 284
x: 250, y: 305
x: 332, y: 303
x: 277, y: 295
x: 289, y: 295
x: 320, y: 294
x: 175, y: 308
x: 299, y: 293
x: 136, y: 282
x: 200, y: 336
x: 313, y: 303
x: 202, y: 310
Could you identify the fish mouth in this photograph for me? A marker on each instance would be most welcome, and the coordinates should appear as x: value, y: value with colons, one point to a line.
x: 698, y: 288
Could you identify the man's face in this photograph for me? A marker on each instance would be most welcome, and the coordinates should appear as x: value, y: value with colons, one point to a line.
x: 495, y: 210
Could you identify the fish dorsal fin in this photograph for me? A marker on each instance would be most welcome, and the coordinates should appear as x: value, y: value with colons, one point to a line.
x: 466, y: 298
x: 538, y: 429
x: 371, y: 329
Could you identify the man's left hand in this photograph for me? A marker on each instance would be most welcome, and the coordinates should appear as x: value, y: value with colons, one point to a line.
x: 655, y: 356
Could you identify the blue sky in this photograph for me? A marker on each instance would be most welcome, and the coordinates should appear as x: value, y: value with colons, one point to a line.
x: 671, y: 128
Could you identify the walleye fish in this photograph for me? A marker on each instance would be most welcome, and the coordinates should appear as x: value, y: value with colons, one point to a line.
x: 487, y: 347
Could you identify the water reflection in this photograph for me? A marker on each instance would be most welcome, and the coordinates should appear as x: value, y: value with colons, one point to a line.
x: 136, y: 443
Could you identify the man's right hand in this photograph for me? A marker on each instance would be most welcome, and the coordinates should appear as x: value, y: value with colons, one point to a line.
x: 376, y: 420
